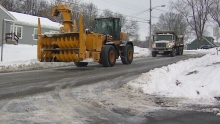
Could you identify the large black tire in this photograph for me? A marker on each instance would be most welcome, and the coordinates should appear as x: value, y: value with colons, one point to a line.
x: 173, y: 52
x: 81, y: 64
x: 154, y: 54
x: 178, y: 51
x: 181, y: 51
x: 108, y: 56
x: 128, y: 52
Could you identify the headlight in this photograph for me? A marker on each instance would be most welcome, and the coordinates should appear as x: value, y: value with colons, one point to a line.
x: 170, y: 45
x: 154, y: 45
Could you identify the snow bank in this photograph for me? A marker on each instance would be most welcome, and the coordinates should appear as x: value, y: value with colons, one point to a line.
x: 141, y: 52
x: 196, y: 78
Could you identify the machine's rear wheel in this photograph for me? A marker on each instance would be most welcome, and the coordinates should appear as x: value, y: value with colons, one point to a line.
x: 81, y: 64
x: 128, y: 54
x: 108, y: 56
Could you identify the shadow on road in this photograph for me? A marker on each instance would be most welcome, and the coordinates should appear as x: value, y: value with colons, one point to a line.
x: 192, y: 118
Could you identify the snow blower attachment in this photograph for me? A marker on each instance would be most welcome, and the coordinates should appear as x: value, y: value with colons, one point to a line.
x: 104, y: 45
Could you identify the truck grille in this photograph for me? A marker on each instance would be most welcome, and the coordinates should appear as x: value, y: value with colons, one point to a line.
x: 161, y: 44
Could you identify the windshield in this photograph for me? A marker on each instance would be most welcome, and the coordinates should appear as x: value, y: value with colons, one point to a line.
x: 164, y: 37
x: 109, y: 26
x: 103, y: 26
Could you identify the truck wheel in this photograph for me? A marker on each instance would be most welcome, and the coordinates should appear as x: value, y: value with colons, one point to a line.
x: 181, y: 51
x: 108, y: 56
x: 154, y: 54
x: 128, y: 55
x: 178, y: 51
x: 81, y: 64
x: 173, y: 52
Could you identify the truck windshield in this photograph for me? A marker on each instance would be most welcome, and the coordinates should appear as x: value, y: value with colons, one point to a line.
x: 164, y: 37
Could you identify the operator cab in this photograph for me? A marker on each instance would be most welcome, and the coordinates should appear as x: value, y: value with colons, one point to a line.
x: 108, y: 26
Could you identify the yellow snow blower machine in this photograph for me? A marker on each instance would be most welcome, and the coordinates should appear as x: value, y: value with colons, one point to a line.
x: 75, y: 44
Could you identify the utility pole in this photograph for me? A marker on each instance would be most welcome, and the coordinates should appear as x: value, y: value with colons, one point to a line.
x: 150, y: 41
x: 150, y: 22
x: 3, y: 30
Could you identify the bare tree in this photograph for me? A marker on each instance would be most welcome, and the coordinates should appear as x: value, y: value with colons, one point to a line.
x: 171, y: 21
x: 131, y: 28
x: 215, y: 11
x: 107, y: 13
x: 122, y: 18
x: 29, y: 7
x: 196, y: 13
x: 8, y: 4
x: 45, y: 9
x: 90, y: 12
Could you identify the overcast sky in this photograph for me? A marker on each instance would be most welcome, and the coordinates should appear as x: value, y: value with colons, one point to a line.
x: 136, y: 8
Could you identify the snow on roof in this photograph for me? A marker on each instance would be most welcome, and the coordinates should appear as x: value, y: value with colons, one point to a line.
x: 33, y: 20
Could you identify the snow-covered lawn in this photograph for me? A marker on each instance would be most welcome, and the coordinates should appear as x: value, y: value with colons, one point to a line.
x: 23, y: 57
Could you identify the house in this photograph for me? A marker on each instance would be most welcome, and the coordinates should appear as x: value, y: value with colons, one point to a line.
x: 206, y: 41
x: 23, y: 27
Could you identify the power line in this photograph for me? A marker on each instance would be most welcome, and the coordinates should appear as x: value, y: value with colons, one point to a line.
x: 155, y: 17
x: 121, y: 5
x: 142, y: 20
x: 129, y: 16
x: 160, y: 10
x: 139, y: 13
x: 126, y: 4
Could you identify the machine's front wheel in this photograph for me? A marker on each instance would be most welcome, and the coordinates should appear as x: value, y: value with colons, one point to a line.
x: 108, y: 56
x: 128, y: 54
x: 81, y: 64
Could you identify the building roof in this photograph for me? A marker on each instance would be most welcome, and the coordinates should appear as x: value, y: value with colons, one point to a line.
x: 33, y: 20
x: 190, y: 40
x: 6, y: 11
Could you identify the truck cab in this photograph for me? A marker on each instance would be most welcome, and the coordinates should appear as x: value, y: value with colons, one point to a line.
x: 167, y: 43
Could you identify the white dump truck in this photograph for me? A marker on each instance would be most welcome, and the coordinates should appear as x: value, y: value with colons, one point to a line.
x: 167, y: 43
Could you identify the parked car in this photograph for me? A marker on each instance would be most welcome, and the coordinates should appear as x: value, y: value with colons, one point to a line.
x: 206, y: 47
